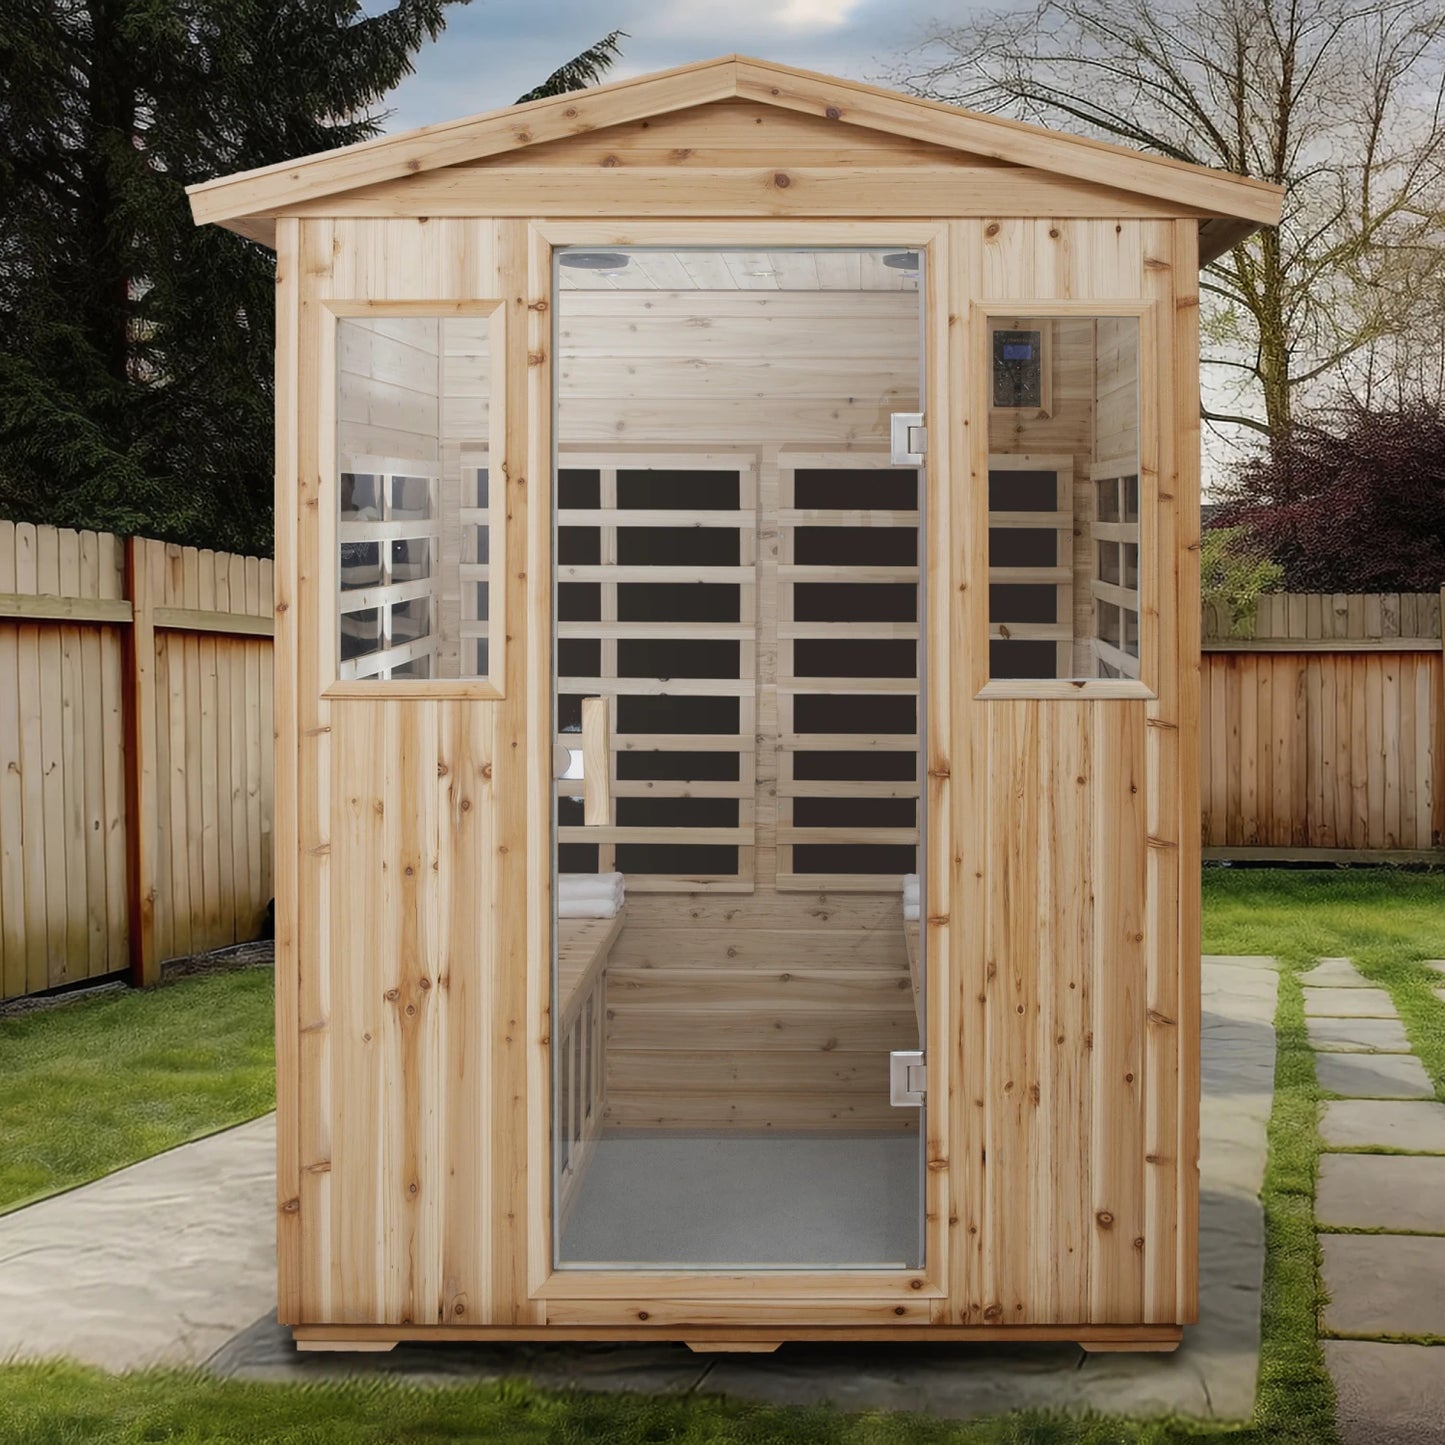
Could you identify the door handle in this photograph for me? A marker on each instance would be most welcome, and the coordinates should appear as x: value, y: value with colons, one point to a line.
x: 596, y: 764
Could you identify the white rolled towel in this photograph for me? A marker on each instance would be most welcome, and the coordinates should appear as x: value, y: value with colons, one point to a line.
x: 590, y: 885
x: 590, y: 895
x: 911, y: 897
x: 588, y: 907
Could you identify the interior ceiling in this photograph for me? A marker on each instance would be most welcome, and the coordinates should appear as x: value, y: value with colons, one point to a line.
x: 825, y: 270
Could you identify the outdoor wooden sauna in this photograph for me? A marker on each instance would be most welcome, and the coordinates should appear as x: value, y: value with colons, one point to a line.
x: 736, y: 686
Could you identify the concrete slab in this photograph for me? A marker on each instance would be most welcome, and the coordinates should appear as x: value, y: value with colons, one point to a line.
x: 160, y: 1263
x: 1387, y: 1394
x: 1335, y: 973
x: 1373, y: 1076
x: 1357, y: 1036
x: 1438, y: 964
x: 1408, y: 1124
x: 1384, y: 1284
x: 1348, y: 1003
x: 1211, y: 1376
x: 1382, y: 1191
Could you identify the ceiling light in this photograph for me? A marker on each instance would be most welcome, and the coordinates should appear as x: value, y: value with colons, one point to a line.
x: 605, y: 261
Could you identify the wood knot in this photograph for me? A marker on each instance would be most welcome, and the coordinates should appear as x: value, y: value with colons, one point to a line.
x: 833, y: 113
x: 611, y: 161
x: 291, y: 1206
x: 915, y: 1284
x: 991, y: 229
x: 1104, y: 1219
x: 782, y: 180
x: 1053, y: 233
x: 900, y: 1309
x: 466, y: 805
x: 486, y: 770
x: 425, y: 983
x: 643, y: 1315
x: 392, y: 994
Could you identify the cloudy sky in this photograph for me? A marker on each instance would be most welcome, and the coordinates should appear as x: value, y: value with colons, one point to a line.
x: 494, y: 50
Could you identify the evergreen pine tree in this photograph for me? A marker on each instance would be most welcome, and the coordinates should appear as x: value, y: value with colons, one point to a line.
x: 136, y: 349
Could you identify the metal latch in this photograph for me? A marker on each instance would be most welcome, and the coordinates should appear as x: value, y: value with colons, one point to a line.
x: 907, y: 1078
x: 909, y: 438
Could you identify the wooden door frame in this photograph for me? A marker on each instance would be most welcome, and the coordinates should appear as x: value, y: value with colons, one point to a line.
x: 614, y: 1297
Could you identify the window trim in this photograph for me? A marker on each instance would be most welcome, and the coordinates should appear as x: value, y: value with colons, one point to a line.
x: 980, y: 394
x: 332, y: 313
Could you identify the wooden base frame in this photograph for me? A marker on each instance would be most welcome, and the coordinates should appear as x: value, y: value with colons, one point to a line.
x: 1095, y: 1339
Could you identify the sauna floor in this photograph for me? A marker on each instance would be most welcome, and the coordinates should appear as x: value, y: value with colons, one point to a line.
x: 744, y: 1200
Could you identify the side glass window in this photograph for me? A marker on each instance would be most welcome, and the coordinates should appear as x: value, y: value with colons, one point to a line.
x: 1063, y: 497
x: 418, y: 524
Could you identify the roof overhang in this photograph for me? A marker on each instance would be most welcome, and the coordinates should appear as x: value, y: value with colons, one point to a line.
x: 249, y: 201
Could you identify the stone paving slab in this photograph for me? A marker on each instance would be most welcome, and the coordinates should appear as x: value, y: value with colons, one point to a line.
x: 1377, y: 1284
x: 1348, y: 1003
x: 1410, y: 1124
x: 1357, y: 1036
x: 159, y: 1263
x: 1335, y: 973
x: 1382, y: 1191
x: 1373, y: 1076
x: 1212, y: 1375
x: 1438, y: 964
x: 1387, y: 1394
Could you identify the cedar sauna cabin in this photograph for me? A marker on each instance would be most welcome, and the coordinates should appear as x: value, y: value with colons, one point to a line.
x: 737, y: 684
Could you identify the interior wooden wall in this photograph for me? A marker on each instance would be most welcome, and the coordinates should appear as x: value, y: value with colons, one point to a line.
x: 739, y: 369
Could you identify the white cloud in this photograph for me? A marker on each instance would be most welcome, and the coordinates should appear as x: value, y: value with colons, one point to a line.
x: 797, y: 17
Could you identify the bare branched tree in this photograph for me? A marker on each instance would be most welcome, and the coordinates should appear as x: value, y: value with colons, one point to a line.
x: 1343, y: 101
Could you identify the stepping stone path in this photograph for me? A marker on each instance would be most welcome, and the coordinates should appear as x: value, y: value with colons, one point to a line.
x: 1388, y: 1283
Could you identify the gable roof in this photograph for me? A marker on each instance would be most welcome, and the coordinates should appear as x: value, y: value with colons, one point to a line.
x: 1239, y: 204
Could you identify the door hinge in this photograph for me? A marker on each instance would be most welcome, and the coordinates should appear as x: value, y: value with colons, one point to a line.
x: 909, y: 438
x: 907, y: 1078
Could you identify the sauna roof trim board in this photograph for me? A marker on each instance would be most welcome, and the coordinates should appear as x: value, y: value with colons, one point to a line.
x: 249, y: 200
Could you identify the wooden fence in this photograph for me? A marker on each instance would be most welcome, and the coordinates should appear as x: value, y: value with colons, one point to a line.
x: 136, y: 759
x: 1324, y: 731
x: 135, y: 754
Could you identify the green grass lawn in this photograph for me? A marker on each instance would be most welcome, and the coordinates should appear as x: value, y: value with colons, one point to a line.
x: 197, y: 1056
x: 93, y: 1085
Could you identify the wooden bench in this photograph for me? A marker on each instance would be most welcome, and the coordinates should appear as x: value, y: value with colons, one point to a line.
x: 582, y: 948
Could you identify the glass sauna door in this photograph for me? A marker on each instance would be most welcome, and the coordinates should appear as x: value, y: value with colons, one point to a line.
x: 738, y: 818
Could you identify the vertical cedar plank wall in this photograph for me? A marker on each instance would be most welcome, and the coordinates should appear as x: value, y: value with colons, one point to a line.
x: 1063, y: 1134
